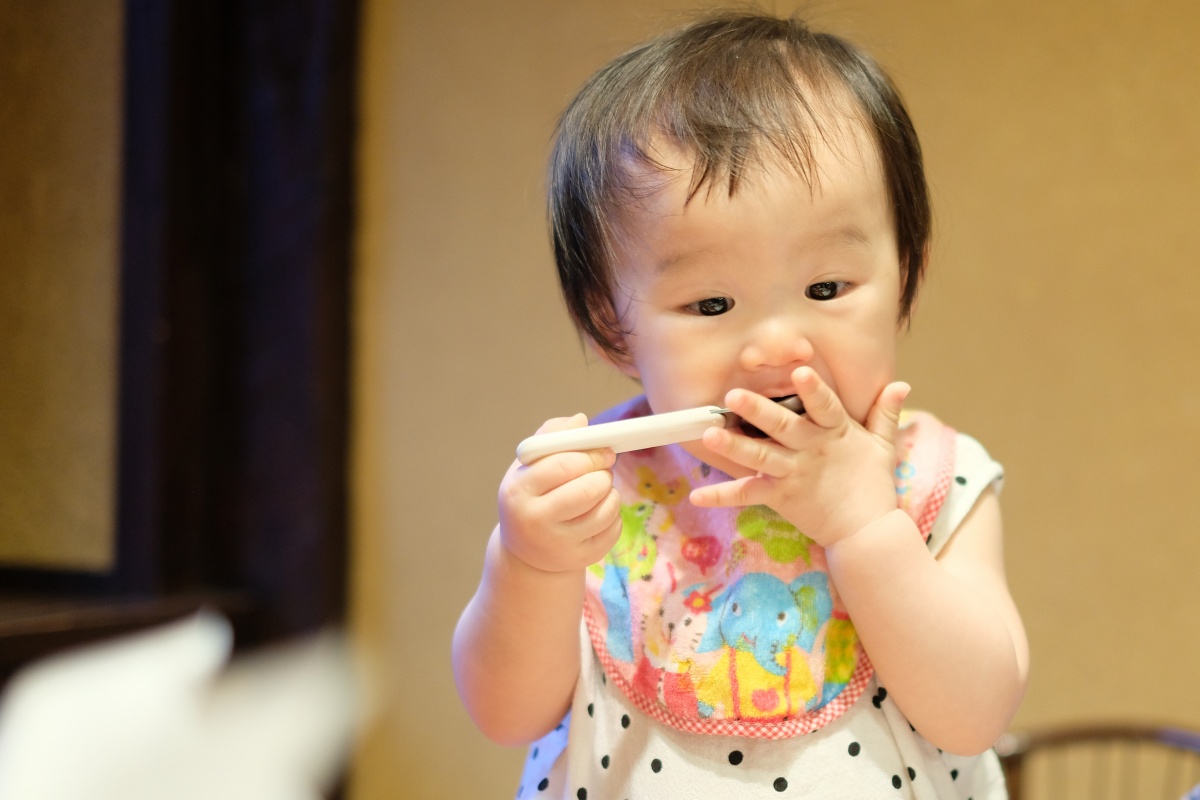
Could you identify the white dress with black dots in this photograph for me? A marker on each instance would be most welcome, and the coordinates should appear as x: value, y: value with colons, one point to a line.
x: 606, y: 749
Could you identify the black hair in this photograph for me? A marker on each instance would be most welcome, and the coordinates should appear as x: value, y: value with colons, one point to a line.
x: 726, y: 90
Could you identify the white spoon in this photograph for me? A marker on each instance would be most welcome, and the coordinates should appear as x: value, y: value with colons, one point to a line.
x: 639, y: 433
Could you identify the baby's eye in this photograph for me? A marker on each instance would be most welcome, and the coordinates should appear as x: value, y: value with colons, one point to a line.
x: 711, y: 306
x: 825, y: 290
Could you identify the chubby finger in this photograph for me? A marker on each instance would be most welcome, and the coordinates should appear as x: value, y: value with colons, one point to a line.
x: 549, y: 473
x: 748, y: 491
x: 759, y: 455
x: 563, y: 423
x: 776, y: 421
x: 884, y: 418
x: 576, y: 498
x: 600, y: 525
x: 821, y: 405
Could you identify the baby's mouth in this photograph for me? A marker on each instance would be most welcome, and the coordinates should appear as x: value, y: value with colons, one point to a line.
x: 791, y: 402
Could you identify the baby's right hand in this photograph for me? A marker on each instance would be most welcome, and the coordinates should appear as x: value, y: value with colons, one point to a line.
x: 561, y: 512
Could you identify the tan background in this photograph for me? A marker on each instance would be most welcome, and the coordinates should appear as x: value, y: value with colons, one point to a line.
x: 60, y: 150
x: 1058, y: 325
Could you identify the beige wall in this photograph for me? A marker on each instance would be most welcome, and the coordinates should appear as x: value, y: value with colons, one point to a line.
x: 1057, y: 325
x: 60, y: 153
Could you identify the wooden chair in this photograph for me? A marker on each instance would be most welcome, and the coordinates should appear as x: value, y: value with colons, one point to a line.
x: 1101, y: 762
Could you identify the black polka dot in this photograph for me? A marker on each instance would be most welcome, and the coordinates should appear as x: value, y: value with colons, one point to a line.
x: 780, y: 784
x: 735, y: 757
x: 582, y: 793
x: 854, y: 749
x: 656, y: 765
x: 604, y: 762
x: 960, y: 480
x: 624, y: 720
x: 912, y: 774
x: 542, y: 786
x: 896, y: 781
x: 879, y: 697
x: 535, y: 752
x: 953, y: 774
x: 591, y: 709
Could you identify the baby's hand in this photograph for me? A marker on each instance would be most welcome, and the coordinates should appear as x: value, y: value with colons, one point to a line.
x: 821, y: 471
x: 561, y: 512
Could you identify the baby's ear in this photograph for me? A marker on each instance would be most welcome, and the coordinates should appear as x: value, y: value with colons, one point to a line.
x: 617, y: 355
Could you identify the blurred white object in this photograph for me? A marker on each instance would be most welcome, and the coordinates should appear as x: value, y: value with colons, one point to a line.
x: 158, y: 715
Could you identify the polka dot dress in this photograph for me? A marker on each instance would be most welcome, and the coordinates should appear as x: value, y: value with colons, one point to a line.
x: 606, y: 748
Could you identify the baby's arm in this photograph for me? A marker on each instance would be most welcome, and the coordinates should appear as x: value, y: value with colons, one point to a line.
x: 944, y: 635
x: 516, y: 647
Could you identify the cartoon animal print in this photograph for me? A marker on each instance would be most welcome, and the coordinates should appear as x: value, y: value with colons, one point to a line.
x: 636, y: 549
x: 672, y: 635
x: 841, y: 656
x: 736, y: 687
x: 703, y: 551
x: 762, y: 615
x: 663, y: 493
x: 673, y: 690
x: 780, y: 539
x: 697, y: 599
x: 759, y: 623
x: 737, y: 554
x: 904, y: 474
x: 614, y: 595
x: 631, y: 559
x: 656, y: 634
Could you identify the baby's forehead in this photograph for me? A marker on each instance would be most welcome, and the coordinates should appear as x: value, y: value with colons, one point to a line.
x: 680, y: 222
x: 840, y: 139
x: 825, y: 120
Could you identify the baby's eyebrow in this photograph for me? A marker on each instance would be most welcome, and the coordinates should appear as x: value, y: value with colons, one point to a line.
x: 684, y: 259
x: 850, y: 234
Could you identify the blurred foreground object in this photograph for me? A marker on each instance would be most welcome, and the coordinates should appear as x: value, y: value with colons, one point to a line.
x: 160, y: 715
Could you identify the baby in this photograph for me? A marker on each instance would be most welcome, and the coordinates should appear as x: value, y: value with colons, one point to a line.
x: 818, y: 608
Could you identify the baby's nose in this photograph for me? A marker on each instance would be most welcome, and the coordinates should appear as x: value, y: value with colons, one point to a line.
x: 778, y: 342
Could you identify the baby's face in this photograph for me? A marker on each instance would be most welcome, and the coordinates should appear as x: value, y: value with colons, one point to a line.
x: 736, y: 292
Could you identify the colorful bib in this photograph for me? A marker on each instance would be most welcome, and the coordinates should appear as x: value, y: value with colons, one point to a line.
x: 724, y: 621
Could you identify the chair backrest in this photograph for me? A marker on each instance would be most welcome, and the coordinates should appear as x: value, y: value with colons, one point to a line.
x: 1101, y: 762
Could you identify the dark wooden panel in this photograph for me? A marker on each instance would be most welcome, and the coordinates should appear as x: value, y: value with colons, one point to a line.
x: 236, y: 268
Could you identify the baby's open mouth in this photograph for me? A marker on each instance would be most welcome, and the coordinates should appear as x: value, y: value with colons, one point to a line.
x: 790, y: 402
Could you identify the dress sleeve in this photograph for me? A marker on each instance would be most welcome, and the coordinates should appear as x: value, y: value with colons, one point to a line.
x: 974, y: 471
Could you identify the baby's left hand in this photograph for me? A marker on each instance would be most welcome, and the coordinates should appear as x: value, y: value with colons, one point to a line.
x: 821, y: 471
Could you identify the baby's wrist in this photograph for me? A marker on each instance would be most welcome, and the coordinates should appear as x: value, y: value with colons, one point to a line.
x: 537, y: 569
x: 507, y: 576
x: 871, y: 536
